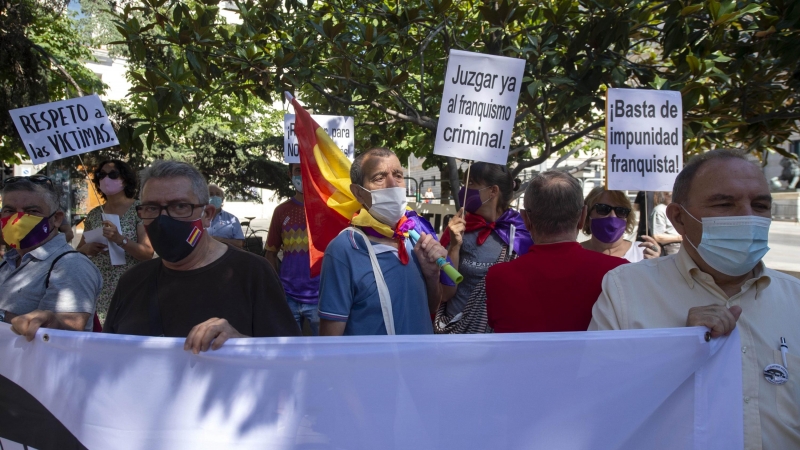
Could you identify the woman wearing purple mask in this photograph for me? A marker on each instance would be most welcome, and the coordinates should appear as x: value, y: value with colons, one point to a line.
x: 115, y: 181
x: 610, y: 218
x: 475, y: 242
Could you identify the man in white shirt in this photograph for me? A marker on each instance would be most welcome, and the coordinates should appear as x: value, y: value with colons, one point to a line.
x: 722, y: 208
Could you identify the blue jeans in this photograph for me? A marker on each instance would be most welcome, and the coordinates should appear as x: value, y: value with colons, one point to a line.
x: 307, y: 310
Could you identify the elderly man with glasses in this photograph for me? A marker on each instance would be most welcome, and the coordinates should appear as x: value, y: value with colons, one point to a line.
x: 555, y: 284
x: 198, y: 288
x: 44, y: 283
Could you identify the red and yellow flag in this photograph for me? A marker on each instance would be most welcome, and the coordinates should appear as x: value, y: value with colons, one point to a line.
x: 329, y: 204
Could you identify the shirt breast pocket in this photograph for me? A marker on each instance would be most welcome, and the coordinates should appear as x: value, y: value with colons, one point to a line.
x: 788, y: 394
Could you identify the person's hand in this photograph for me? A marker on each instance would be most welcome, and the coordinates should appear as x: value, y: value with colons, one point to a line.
x: 719, y: 319
x: 27, y: 324
x: 456, y: 228
x: 428, y: 250
x: 216, y: 330
x: 91, y: 249
x: 651, y: 247
x: 111, y: 233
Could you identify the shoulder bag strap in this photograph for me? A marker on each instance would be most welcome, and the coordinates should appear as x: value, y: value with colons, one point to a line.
x: 383, y: 289
x: 53, y: 264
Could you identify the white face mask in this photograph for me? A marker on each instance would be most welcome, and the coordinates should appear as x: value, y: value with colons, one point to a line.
x: 388, y: 205
x: 297, y: 181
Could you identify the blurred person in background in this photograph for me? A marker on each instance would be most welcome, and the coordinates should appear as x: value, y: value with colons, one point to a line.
x: 663, y: 231
x: 225, y: 227
x: 116, y: 182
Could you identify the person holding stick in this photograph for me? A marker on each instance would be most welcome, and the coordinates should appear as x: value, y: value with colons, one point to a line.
x: 373, y: 280
x: 116, y: 182
x: 490, y: 233
x: 609, y: 219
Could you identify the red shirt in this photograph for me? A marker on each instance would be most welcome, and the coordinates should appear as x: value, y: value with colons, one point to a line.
x: 551, y: 288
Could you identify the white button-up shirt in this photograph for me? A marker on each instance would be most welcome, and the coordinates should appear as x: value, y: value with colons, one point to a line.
x: 657, y: 293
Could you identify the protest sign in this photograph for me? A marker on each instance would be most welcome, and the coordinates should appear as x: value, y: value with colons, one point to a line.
x: 341, y: 129
x: 56, y: 130
x: 644, y: 139
x: 479, y: 105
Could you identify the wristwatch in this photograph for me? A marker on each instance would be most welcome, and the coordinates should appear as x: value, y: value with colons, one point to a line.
x: 2, y: 315
x: 124, y: 242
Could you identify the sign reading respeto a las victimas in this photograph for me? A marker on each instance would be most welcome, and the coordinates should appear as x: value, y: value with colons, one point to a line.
x: 644, y: 139
x: 479, y: 105
x: 341, y: 129
x: 56, y: 130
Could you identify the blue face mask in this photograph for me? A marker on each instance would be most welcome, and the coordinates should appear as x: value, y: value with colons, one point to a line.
x: 216, y: 201
x: 733, y: 245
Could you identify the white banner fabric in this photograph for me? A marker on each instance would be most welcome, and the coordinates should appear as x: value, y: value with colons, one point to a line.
x: 654, y: 389
x: 341, y: 129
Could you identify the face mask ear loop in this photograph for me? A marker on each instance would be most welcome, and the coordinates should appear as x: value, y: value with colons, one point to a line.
x: 695, y: 219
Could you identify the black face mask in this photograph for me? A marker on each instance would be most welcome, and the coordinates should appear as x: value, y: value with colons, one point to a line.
x: 173, y: 239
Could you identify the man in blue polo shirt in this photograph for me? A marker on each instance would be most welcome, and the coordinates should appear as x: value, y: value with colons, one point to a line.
x: 225, y: 227
x: 349, y: 302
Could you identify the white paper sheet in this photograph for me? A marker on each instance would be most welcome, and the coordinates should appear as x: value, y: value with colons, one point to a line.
x: 116, y: 252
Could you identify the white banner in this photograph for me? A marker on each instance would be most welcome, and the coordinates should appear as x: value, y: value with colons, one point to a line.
x: 56, y: 130
x: 644, y: 139
x: 653, y: 389
x: 341, y: 129
x: 479, y: 105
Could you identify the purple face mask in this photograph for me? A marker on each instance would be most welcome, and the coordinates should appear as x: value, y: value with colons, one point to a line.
x: 608, y: 229
x: 473, y: 202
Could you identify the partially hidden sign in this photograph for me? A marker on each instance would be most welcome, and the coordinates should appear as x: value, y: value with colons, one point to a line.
x: 644, y: 139
x: 479, y: 105
x: 56, y: 130
x: 341, y: 129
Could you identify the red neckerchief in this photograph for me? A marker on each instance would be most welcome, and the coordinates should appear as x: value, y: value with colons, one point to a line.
x: 474, y: 222
x: 402, y: 227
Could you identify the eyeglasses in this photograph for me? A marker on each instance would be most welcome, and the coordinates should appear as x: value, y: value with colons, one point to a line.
x: 175, y: 210
x: 605, y: 210
x: 114, y: 174
x: 38, y: 179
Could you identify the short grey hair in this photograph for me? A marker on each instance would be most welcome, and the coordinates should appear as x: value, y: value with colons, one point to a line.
x: 356, y: 170
x: 554, y: 202
x: 51, y: 196
x: 215, y: 186
x: 683, y: 182
x: 174, y: 169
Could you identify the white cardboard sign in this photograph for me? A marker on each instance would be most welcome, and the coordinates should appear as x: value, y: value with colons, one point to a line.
x: 341, y: 129
x: 644, y: 139
x: 56, y: 130
x: 479, y: 105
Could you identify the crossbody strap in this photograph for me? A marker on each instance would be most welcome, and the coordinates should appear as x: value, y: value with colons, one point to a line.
x: 53, y: 264
x: 383, y: 289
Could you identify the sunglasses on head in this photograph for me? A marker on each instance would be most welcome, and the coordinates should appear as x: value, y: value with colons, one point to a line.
x: 114, y: 174
x: 605, y: 210
x: 38, y: 179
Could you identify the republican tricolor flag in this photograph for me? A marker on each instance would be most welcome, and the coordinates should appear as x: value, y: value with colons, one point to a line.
x: 329, y: 204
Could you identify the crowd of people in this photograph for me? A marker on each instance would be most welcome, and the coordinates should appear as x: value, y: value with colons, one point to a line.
x: 524, y: 271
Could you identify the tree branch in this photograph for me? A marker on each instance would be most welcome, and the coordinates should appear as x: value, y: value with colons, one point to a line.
x: 543, y: 157
x: 779, y: 115
x: 423, y: 123
x: 60, y: 69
